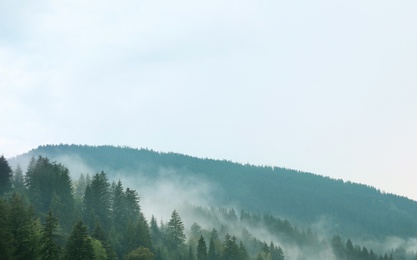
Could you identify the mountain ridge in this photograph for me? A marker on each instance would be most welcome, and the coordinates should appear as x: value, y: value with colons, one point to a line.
x: 349, y: 208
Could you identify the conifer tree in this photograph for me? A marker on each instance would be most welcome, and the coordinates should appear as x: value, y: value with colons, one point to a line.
x: 6, y: 249
x: 175, y: 237
x: 231, y: 250
x: 5, y: 176
x: 23, y: 228
x: 18, y: 180
x: 49, y: 249
x: 78, y: 246
x: 202, y: 249
x: 97, y: 201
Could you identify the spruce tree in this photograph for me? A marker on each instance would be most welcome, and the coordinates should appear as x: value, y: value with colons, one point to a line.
x: 6, y: 249
x: 202, y: 249
x: 18, y: 180
x: 49, y: 249
x: 78, y: 246
x: 175, y: 231
x: 5, y: 176
x: 23, y: 229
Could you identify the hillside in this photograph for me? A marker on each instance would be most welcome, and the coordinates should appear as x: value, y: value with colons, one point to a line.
x: 340, y: 207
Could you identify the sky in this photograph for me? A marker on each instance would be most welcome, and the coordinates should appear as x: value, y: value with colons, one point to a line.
x: 328, y: 87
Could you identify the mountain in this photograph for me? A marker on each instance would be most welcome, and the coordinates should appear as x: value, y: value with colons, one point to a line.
x: 341, y: 207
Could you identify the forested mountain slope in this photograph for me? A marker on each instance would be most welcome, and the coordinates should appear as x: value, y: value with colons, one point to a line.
x: 346, y: 208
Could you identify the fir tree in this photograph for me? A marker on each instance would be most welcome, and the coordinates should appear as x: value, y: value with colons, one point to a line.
x: 78, y: 246
x: 49, y: 249
x: 5, y: 176
x: 202, y: 249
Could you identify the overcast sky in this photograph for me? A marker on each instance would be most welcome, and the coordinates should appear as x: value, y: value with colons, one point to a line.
x: 328, y: 87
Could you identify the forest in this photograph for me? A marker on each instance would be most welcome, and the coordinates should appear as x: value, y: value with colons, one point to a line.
x: 46, y: 214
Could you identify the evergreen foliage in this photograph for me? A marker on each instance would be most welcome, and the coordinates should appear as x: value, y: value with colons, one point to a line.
x: 357, y: 209
x: 49, y: 248
x: 117, y: 229
x: 5, y: 176
x: 202, y: 249
x: 79, y: 245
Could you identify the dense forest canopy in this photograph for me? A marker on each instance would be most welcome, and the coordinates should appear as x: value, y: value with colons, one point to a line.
x: 49, y: 218
x: 349, y: 209
x: 49, y: 212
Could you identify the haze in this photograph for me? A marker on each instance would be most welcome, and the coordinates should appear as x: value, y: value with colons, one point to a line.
x: 325, y: 87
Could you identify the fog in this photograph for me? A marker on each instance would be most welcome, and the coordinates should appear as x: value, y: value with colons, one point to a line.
x: 163, y: 191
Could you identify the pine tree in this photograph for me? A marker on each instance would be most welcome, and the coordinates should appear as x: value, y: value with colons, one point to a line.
x: 202, y: 249
x: 6, y: 249
x: 49, y: 249
x: 155, y: 231
x: 18, y: 180
x: 97, y: 201
x: 175, y: 231
x: 243, y: 253
x: 175, y: 237
x: 5, y: 176
x: 231, y: 249
x: 23, y: 228
x: 78, y: 246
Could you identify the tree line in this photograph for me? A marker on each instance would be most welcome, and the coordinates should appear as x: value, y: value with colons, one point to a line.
x: 44, y: 214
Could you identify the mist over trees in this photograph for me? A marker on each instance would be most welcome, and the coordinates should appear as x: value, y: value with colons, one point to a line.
x: 45, y: 214
x: 355, y: 209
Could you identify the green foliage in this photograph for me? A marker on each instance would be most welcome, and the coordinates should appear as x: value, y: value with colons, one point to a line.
x: 97, y: 201
x: 140, y: 253
x: 49, y: 248
x: 5, y: 176
x: 49, y: 186
x: 78, y: 246
x: 24, y: 229
x: 98, y: 249
x: 6, y: 250
x: 118, y: 229
x: 202, y: 249
x: 358, y: 209
x: 18, y: 181
x: 175, y: 232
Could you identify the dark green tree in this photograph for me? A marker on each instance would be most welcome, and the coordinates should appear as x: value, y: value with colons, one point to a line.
x: 24, y: 229
x: 174, y: 236
x: 137, y: 235
x: 49, y: 248
x: 78, y: 246
x: 202, y: 249
x: 5, y: 176
x: 18, y: 180
x: 243, y: 253
x: 231, y: 249
x: 155, y: 231
x: 97, y: 201
x: 50, y: 187
x: 175, y: 231
x: 6, y: 249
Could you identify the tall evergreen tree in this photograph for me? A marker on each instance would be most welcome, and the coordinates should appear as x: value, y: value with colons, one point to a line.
x: 49, y: 248
x: 23, y: 228
x: 5, y: 176
x: 202, y: 249
x: 49, y: 186
x: 18, y: 180
x: 97, y: 201
x: 231, y: 249
x: 175, y: 231
x: 6, y: 249
x: 78, y: 246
